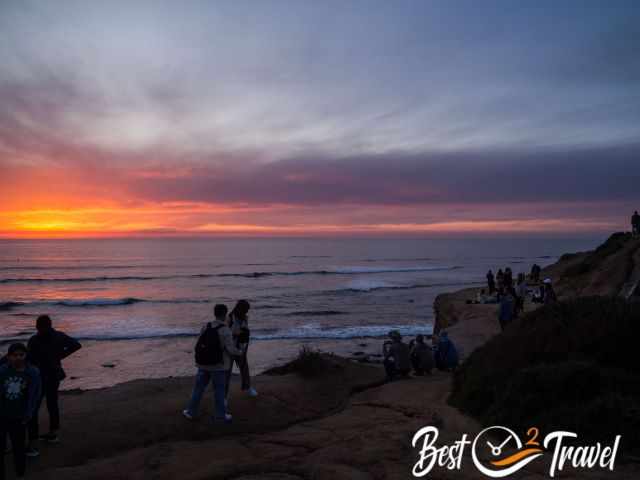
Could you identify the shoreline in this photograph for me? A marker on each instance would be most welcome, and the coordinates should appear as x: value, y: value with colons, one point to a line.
x: 102, y: 364
x: 345, y: 423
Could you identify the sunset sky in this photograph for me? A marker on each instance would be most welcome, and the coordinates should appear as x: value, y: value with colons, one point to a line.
x: 319, y: 117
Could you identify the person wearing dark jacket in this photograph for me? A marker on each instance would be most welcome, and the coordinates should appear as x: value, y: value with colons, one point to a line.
x: 19, y: 395
x: 549, y: 293
x: 421, y: 357
x: 47, y: 348
x: 491, y: 282
x: 397, y: 357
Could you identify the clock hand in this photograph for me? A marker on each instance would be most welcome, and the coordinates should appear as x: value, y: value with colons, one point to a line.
x: 504, y: 443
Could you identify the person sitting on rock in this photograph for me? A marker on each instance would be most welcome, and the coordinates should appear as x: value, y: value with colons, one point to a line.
x: 446, y: 355
x: 396, y: 356
x: 421, y: 357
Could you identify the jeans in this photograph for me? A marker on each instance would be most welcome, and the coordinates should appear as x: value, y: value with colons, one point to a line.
x: 16, y: 430
x: 243, y: 366
x: 203, y: 377
x: 50, y: 388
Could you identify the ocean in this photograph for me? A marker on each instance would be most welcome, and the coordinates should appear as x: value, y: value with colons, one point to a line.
x: 301, y: 290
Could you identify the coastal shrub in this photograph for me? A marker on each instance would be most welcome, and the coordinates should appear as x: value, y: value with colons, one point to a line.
x: 614, y: 244
x: 570, y: 365
x: 309, y: 362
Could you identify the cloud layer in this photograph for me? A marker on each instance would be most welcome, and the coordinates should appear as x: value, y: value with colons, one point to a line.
x: 318, y: 117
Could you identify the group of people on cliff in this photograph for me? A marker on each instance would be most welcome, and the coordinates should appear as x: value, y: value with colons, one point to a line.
x: 401, y: 358
x: 511, y: 298
x: 30, y: 374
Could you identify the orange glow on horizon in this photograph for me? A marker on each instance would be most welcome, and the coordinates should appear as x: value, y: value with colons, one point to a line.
x: 196, y: 220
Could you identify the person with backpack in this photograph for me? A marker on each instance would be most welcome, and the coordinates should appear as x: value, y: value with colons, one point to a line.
x: 213, y: 353
x: 239, y: 324
x: 46, y: 350
x: 19, y: 396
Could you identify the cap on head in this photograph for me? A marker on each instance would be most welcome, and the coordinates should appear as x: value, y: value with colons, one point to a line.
x: 547, y: 281
x: 43, y: 323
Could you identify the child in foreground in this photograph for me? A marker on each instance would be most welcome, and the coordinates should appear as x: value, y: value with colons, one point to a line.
x: 19, y: 394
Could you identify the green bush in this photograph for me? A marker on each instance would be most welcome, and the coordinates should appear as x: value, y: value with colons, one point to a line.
x: 568, y: 365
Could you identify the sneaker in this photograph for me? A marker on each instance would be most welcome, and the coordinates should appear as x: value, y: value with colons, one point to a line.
x: 186, y: 414
x: 252, y: 392
x: 50, y: 437
x: 32, y: 452
x: 228, y: 418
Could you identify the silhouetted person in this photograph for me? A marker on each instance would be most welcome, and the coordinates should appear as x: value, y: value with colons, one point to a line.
x: 239, y: 324
x: 500, y: 279
x: 635, y: 223
x: 549, y: 293
x: 396, y: 356
x: 508, y: 278
x: 214, y: 350
x: 19, y: 394
x: 491, y: 283
x: 506, y: 310
x: 446, y: 354
x: 535, y: 273
x: 47, y: 349
x: 421, y: 357
x: 521, y: 292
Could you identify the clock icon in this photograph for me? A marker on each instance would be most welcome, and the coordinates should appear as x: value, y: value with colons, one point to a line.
x: 499, y: 465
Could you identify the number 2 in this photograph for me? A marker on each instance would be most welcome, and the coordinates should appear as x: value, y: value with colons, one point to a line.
x: 533, y: 432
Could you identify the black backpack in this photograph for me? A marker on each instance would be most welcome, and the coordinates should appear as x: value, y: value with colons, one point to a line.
x: 208, y: 348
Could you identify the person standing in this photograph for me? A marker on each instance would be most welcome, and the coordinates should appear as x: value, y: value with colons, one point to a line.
x: 508, y: 278
x: 635, y: 224
x: 214, y: 351
x: 19, y: 396
x: 491, y: 282
x: 239, y: 324
x: 500, y: 281
x: 521, y: 291
x: 506, y: 310
x: 47, y: 348
x: 549, y: 293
